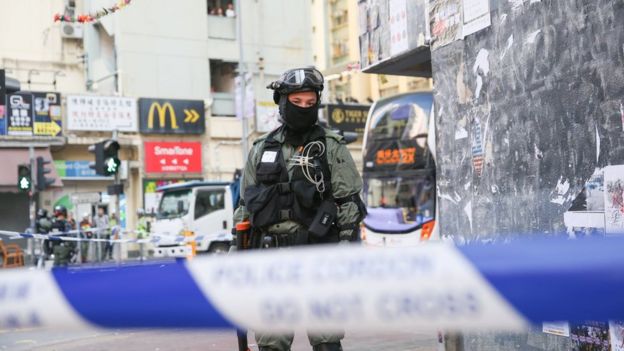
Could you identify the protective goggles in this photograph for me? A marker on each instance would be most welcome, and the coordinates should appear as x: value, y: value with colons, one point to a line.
x: 298, y: 79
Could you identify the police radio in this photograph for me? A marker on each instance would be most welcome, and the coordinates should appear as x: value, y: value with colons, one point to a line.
x: 325, y: 217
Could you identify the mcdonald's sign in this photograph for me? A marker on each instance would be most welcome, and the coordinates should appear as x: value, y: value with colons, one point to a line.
x: 168, y: 116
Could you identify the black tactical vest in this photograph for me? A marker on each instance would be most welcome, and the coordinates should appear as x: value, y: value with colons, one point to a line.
x: 276, y: 198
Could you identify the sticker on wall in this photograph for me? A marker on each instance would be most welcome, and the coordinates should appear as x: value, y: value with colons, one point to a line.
x: 556, y: 328
x: 476, y: 16
x: 477, y: 148
x: 614, y: 199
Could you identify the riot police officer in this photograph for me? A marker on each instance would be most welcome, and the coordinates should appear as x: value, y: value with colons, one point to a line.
x: 43, y: 225
x: 300, y: 185
x: 62, y: 249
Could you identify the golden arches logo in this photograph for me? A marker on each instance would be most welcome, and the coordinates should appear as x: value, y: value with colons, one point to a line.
x: 162, y: 115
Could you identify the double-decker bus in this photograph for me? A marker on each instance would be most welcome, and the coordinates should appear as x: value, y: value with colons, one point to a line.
x: 399, y: 171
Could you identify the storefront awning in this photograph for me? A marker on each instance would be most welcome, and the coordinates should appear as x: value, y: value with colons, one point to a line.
x: 10, y: 158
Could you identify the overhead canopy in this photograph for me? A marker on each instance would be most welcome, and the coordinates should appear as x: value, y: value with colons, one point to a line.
x: 12, y: 157
x: 414, y: 63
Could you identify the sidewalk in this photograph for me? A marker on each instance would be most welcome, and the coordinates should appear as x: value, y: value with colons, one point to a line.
x: 183, y: 340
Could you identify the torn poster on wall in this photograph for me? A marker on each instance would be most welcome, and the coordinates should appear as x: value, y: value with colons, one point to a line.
x: 477, y: 148
x: 590, y: 336
x: 614, y: 199
x: 445, y: 22
x: 616, y: 332
x: 399, y: 42
x: 476, y: 16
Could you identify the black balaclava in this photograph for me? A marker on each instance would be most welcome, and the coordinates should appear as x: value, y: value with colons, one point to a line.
x: 298, y: 120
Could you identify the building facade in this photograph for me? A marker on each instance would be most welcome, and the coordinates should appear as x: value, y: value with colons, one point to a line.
x: 178, y: 62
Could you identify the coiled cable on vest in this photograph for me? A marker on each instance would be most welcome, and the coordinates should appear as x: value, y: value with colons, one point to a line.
x: 305, y: 161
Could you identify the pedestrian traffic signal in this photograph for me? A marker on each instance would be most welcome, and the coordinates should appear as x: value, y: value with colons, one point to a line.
x: 43, y: 182
x: 24, y: 180
x: 107, y: 161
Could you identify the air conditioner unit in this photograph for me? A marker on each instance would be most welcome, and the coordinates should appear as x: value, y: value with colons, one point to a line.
x: 71, y: 30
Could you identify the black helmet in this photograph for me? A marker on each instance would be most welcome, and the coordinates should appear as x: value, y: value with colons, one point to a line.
x: 42, y: 213
x: 298, y: 79
x: 60, y: 210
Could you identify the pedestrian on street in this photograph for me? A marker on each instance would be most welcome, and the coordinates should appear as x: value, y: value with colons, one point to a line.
x: 300, y: 186
x: 101, y: 223
x: 85, y: 225
x: 143, y: 230
x: 113, y: 231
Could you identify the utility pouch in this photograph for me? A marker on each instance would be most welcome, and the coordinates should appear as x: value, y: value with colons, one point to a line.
x: 324, y: 219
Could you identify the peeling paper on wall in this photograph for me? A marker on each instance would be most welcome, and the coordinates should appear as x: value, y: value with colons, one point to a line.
x: 468, y: 211
x: 461, y: 133
x: 503, y: 17
x: 508, y: 46
x: 448, y: 197
x: 622, y: 108
x: 563, y: 186
x: 481, y: 64
x: 597, y: 145
x: 532, y: 36
x: 538, y: 153
x: 516, y: 4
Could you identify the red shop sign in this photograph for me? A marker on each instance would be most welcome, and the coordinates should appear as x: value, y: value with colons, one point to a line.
x: 173, y: 157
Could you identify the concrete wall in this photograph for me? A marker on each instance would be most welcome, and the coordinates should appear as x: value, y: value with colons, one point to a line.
x: 31, y: 46
x: 547, y: 114
x: 162, y: 49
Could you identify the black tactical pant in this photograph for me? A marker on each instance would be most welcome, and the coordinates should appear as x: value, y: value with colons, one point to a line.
x: 282, y: 342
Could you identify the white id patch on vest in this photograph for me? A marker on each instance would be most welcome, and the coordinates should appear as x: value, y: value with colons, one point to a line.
x: 269, y: 156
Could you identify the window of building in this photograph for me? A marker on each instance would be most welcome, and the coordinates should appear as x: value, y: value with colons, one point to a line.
x: 208, y: 201
x: 222, y: 75
x: 221, y: 8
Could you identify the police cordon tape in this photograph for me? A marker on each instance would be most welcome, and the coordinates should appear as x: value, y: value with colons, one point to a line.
x: 80, y: 235
x: 494, y: 287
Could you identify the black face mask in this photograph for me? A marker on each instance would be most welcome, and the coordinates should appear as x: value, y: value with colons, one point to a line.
x: 298, y: 119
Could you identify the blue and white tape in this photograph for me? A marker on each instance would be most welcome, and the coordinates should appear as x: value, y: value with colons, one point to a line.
x: 435, y: 286
x: 123, y: 237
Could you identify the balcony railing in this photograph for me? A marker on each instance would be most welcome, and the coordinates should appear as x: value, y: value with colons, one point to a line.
x: 220, y: 27
x: 223, y: 104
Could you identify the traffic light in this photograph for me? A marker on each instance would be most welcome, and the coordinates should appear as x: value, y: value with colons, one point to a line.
x: 42, y: 181
x: 24, y: 180
x: 106, y: 157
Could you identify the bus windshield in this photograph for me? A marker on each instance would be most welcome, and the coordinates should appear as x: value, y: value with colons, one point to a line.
x: 399, y: 169
x: 399, y: 204
x: 396, y: 135
x: 174, y: 204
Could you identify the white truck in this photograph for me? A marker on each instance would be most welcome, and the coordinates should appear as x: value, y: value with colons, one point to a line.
x: 198, y: 209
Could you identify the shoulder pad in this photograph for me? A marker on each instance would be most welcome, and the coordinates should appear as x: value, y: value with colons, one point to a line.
x: 261, y: 138
x: 333, y: 135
